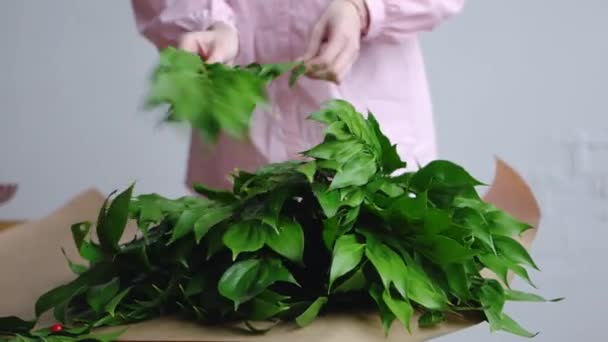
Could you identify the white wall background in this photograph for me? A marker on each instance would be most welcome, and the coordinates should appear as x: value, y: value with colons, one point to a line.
x: 521, y: 79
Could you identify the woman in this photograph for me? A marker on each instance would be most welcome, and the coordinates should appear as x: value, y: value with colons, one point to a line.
x: 368, y: 48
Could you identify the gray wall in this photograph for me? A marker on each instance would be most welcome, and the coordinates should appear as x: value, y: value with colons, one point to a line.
x: 519, y: 79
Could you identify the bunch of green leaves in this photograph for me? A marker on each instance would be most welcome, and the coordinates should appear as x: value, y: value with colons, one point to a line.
x: 337, y: 231
x: 212, y: 98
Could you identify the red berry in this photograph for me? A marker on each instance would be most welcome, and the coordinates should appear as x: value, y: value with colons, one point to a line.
x: 56, y: 328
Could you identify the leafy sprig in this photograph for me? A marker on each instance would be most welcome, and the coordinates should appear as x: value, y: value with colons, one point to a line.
x: 212, y: 98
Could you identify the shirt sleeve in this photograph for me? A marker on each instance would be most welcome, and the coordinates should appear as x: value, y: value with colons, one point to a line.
x: 164, y: 21
x: 393, y: 19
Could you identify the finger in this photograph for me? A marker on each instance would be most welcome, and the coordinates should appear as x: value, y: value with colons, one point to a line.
x: 327, y: 58
x: 195, y: 43
x: 188, y: 43
x: 345, y: 61
x: 316, y: 39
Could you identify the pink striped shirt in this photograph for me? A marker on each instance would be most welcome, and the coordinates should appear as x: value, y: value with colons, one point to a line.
x: 388, y: 78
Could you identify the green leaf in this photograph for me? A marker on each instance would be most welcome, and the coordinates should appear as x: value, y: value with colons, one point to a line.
x: 500, y: 321
x: 308, y: 169
x: 114, y: 302
x: 520, y: 296
x: 80, y: 232
x: 431, y: 318
x: 352, y: 197
x: 59, y: 295
x: 210, y: 218
x: 298, y: 71
x: 15, y: 325
x: 289, y: 242
x: 356, y: 172
x: 388, y: 264
x: 492, y: 296
x: 311, y: 313
x: 214, y: 241
x: 473, y: 220
x: 99, y: 296
x: 500, y: 266
x: 92, y: 252
x: 436, y: 221
x: 265, y: 307
x: 346, y: 256
x: 106, y: 337
x: 443, y: 250
x: 112, y: 227
x: 246, y: 279
x: 458, y: 281
x: 442, y: 174
x: 356, y: 282
x: 214, y: 195
x: 496, y: 265
x: 247, y: 236
x: 513, y: 251
x: 386, y: 314
x: 76, y: 268
x: 391, y: 161
x: 406, y: 208
x: 504, y: 224
x: 401, y: 308
x: 340, y: 151
x: 329, y: 200
x: 185, y: 223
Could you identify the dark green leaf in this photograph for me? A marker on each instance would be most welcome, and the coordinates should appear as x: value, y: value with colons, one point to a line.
x: 513, y: 251
x: 80, y: 232
x: 215, y: 195
x: 328, y: 199
x: 266, y: 306
x: 99, y: 296
x: 308, y: 169
x: 356, y: 172
x: 430, y: 318
x: 504, y: 224
x: 458, y: 280
x: 210, y: 217
x: 355, y: 282
x: 443, y: 250
x: 185, y: 223
x: 442, y: 174
x: 401, y: 308
x: 289, y: 242
x: 390, y: 157
x: 436, y: 221
x: 15, y: 325
x: 114, y: 302
x: 76, y: 268
x: 247, y: 236
x: 388, y: 264
x: 500, y: 321
x: 298, y: 71
x: 111, y: 229
x: 312, y: 312
x: 386, y: 314
x: 346, y: 256
x: 520, y: 296
x: 473, y: 220
x: 246, y: 279
x: 94, y: 276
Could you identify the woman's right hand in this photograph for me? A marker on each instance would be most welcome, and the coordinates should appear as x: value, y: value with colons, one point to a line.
x: 219, y: 44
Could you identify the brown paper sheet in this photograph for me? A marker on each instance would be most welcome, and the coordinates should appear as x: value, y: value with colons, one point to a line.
x: 31, y: 263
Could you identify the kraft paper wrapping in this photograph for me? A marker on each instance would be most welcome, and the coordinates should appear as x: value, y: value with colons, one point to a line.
x: 31, y: 262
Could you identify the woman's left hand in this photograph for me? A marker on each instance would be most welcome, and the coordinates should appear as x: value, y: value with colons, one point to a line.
x: 335, y: 40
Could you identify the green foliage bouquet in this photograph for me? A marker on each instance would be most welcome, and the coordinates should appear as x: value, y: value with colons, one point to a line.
x: 294, y: 240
